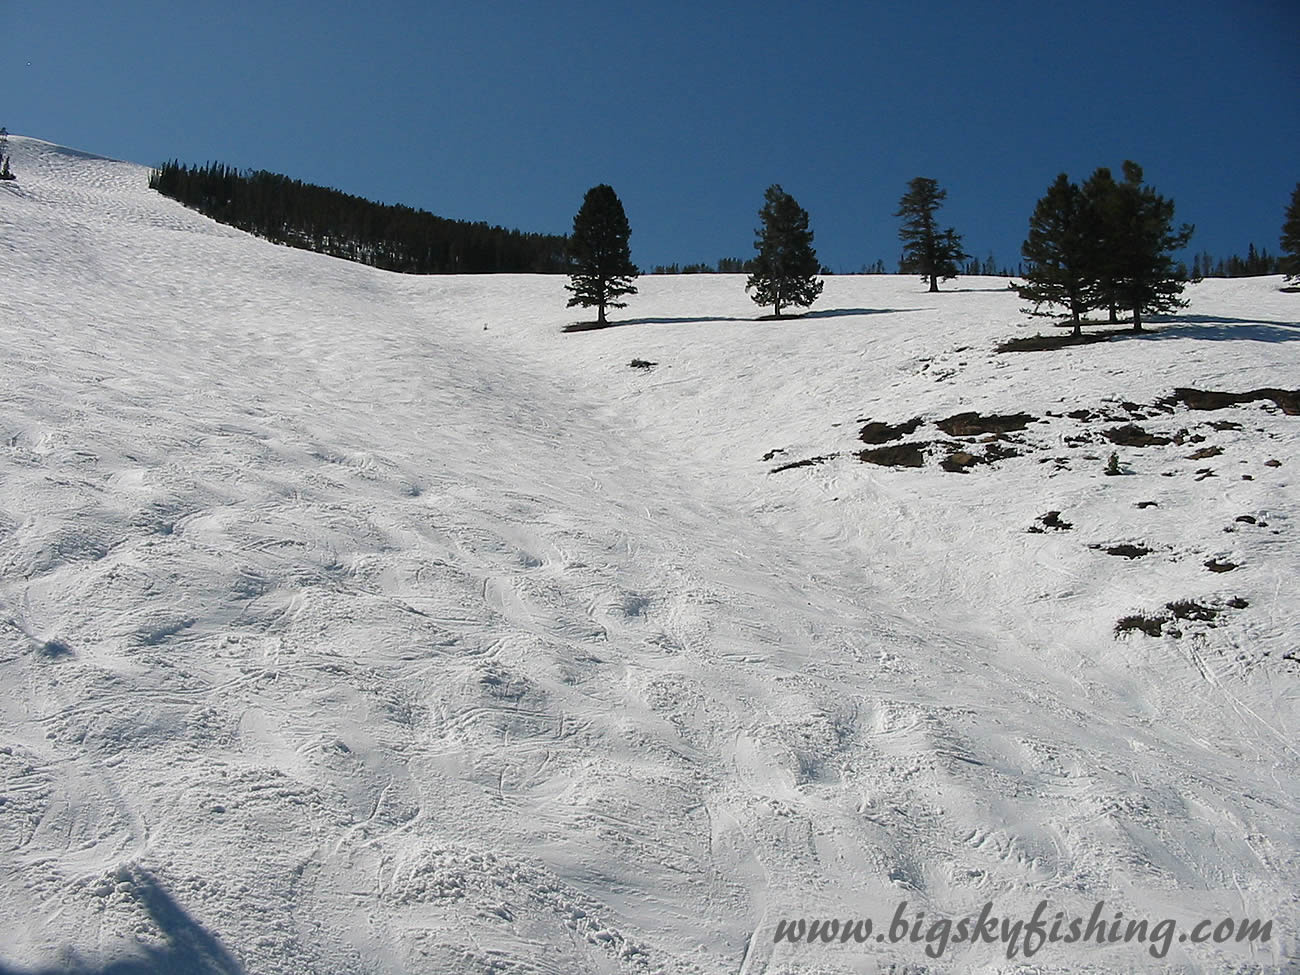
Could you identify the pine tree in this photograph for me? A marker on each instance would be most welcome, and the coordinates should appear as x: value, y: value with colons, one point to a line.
x: 1144, y: 238
x: 1057, y: 250
x: 1290, y: 260
x: 601, y: 268
x: 784, y: 272
x: 927, y: 250
x: 1101, y: 229
x: 4, y: 155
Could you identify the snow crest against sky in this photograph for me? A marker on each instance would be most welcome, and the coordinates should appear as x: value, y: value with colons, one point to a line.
x: 509, y: 111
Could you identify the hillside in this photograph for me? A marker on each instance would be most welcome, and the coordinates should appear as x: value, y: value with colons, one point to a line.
x: 357, y: 622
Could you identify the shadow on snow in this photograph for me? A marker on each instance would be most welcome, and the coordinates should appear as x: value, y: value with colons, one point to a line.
x: 1216, y: 328
x: 190, y: 949
x: 828, y: 313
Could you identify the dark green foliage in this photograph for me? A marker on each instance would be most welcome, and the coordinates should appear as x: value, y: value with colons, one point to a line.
x: 1099, y: 193
x: 5, y: 173
x: 1105, y: 245
x: 1290, y: 263
x: 600, y: 263
x: 725, y: 265
x: 1133, y: 240
x: 1057, y: 251
x: 1256, y: 263
x: 735, y: 265
x: 928, y: 251
x: 785, y: 269
x: 396, y: 238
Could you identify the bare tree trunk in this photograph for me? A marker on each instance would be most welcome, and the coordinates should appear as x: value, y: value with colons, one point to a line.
x: 934, y: 284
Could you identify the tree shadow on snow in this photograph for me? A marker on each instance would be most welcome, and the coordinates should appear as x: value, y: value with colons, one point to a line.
x: 190, y: 949
x: 1217, y: 328
x: 850, y: 312
x: 828, y: 313
x: 833, y: 313
x: 596, y: 326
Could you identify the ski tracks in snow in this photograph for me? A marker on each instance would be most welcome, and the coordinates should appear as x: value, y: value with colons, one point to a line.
x: 381, y: 642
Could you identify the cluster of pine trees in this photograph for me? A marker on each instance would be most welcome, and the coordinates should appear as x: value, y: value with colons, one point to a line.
x: 1106, y: 244
x: 5, y: 172
x: 784, y: 272
x: 1290, y: 262
x: 1255, y: 264
x: 725, y: 265
x: 395, y: 238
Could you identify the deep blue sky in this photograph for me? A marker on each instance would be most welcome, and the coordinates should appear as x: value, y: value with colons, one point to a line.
x: 509, y: 111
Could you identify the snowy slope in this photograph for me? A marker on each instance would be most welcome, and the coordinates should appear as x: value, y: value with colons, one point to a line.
x: 352, y: 622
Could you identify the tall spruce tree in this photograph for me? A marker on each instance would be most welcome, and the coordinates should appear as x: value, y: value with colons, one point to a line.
x: 601, y: 268
x: 1143, y: 238
x: 1057, y: 251
x: 1290, y: 261
x: 928, y: 251
x: 785, y: 270
x: 1101, y: 230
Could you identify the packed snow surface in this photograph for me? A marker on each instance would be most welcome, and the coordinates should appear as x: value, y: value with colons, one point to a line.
x: 352, y: 622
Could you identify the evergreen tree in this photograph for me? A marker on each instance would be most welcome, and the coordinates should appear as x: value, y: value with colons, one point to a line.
x: 1290, y: 262
x: 601, y: 268
x: 396, y: 238
x: 927, y: 250
x: 1101, y: 230
x: 1144, y: 238
x: 4, y: 155
x: 785, y: 270
x: 1058, y: 251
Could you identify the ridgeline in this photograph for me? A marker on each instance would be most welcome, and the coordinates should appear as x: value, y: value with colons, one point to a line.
x: 328, y: 221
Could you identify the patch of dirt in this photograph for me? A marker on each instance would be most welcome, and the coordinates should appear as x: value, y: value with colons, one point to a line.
x: 960, y: 461
x: 1150, y: 625
x: 1189, y: 610
x: 877, y: 431
x: 1125, y: 550
x: 806, y: 462
x: 1132, y: 435
x: 1205, y: 452
x: 974, y: 425
x: 1214, y: 565
x: 642, y: 364
x: 897, y: 455
x: 1287, y: 400
x: 1045, y: 343
x: 1052, y: 520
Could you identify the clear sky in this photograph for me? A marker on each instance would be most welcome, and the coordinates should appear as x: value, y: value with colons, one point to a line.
x: 509, y: 111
